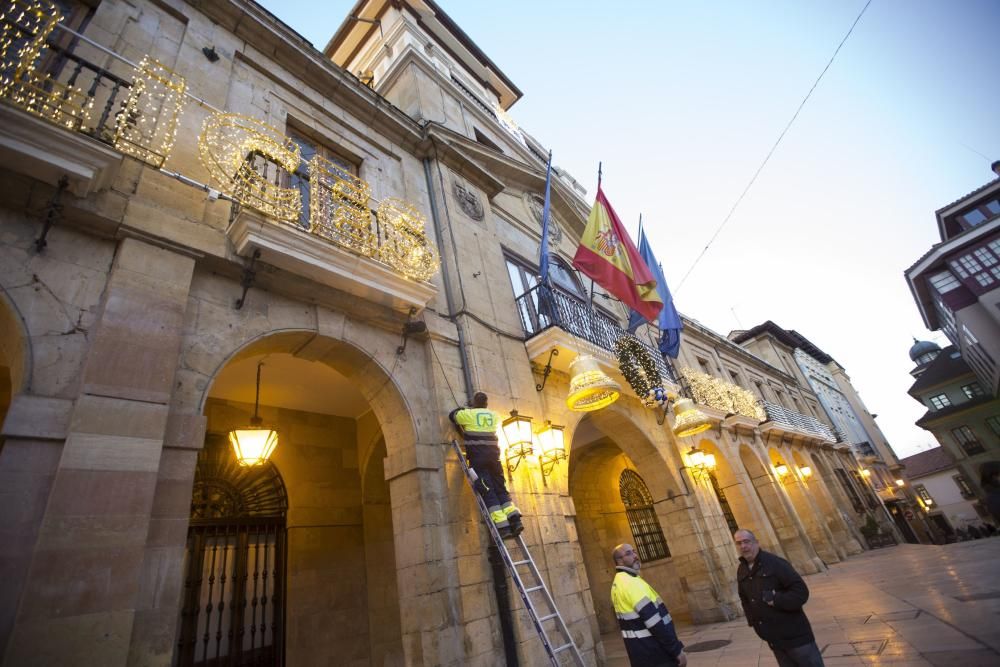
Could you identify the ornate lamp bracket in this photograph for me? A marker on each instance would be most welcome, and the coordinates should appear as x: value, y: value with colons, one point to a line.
x: 547, y: 369
x: 53, y: 214
x: 247, y: 280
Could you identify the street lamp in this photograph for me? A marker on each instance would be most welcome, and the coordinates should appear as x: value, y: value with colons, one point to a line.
x: 254, y: 444
x: 516, y: 431
x: 552, y: 443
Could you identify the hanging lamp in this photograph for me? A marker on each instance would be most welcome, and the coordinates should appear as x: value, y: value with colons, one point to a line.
x: 254, y: 444
x: 590, y: 388
x: 688, y: 419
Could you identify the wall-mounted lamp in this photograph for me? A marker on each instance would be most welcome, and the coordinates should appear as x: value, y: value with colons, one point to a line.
x: 781, y: 469
x: 552, y: 446
x: 516, y: 431
x: 254, y: 444
x: 700, y: 463
x: 866, y: 473
x: 806, y: 472
x: 900, y: 482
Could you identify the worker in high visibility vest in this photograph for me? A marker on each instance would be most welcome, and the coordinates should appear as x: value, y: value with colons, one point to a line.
x: 478, y: 425
x: 647, y: 629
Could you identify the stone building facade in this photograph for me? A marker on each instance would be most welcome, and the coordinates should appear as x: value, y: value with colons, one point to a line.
x: 192, y: 194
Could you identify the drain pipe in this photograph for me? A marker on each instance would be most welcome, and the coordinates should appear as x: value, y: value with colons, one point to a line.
x: 500, y: 588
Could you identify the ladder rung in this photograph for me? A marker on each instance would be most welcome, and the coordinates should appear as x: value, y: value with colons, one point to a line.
x: 533, y: 589
x: 561, y: 648
x: 545, y: 618
x: 521, y: 562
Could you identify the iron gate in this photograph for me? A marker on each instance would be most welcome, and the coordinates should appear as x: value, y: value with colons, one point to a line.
x: 233, y: 605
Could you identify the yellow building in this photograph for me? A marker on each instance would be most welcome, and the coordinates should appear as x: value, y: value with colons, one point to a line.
x: 204, y: 221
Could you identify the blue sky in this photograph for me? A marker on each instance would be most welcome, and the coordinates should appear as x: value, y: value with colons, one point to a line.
x: 682, y: 100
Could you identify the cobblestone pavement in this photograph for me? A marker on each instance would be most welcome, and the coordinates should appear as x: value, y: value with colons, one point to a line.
x: 904, y: 605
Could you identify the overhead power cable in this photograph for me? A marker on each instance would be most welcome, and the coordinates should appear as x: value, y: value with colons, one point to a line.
x: 771, y: 152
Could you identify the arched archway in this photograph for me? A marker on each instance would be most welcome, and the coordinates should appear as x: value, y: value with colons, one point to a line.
x: 618, y: 482
x: 233, y: 607
x: 338, y: 414
x: 780, y: 517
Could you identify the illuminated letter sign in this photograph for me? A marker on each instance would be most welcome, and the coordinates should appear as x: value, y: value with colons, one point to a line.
x: 233, y: 147
x: 147, y: 125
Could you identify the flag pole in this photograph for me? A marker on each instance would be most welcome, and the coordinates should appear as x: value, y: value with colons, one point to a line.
x: 598, y: 175
x: 590, y: 303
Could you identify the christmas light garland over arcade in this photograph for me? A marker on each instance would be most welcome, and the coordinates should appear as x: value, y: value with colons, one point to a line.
x: 228, y: 146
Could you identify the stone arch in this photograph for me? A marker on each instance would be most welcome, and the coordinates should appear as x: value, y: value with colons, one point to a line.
x: 341, y: 516
x: 819, y: 487
x: 604, y: 444
x: 729, y: 488
x: 783, y: 522
x: 389, y: 403
x: 804, y: 502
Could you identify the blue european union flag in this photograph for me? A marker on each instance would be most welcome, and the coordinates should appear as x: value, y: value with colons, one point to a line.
x: 669, y: 320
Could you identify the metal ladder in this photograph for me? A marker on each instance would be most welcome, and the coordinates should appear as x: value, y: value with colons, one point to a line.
x: 554, y: 652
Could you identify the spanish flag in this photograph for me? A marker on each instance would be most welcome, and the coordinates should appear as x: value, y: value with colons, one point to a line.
x: 608, y: 256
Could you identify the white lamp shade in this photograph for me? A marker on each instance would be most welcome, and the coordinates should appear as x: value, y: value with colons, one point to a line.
x: 517, y: 431
x: 710, y: 461
x: 253, y: 446
x: 696, y: 457
x: 806, y: 471
x: 781, y: 469
x: 551, y: 441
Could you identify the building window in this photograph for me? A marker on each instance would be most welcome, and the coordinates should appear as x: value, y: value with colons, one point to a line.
x: 994, y: 424
x: 921, y: 492
x: 967, y: 440
x: 523, y: 280
x: 963, y: 487
x: 299, y: 179
x: 981, y: 264
x: 939, y: 401
x: 646, y: 532
x: 704, y: 365
x: 562, y: 276
x: 944, y: 282
x: 735, y: 378
x: 973, y: 390
x: 866, y: 490
x: 727, y: 511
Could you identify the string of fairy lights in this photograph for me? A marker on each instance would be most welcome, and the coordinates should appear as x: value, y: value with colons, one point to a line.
x: 146, y: 129
x: 717, y: 393
x: 26, y: 27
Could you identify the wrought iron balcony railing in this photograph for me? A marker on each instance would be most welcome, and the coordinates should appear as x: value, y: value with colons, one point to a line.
x: 782, y: 415
x: 541, y: 308
x: 248, y: 162
x: 70, y: 91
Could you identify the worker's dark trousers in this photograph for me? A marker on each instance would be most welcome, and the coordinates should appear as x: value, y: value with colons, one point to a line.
x: 485, y: 460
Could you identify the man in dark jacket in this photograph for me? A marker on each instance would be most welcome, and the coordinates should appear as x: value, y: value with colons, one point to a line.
x: 773, y: 593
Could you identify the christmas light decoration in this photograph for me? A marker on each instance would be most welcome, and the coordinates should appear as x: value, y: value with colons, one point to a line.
x: 146, y: 126
x: 228, y: 146
x: 25, y: 28
x: 403, y: 244
x: 338, y: 207
x: 721, y: 395
x: 640, y: 371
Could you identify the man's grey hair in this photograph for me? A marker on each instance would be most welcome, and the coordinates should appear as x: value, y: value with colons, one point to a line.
x: 748, y: 532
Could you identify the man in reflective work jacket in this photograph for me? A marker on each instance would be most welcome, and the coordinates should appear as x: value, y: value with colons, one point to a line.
x: 648, y: 630
x: 478, y: 425
x: 773, y: 594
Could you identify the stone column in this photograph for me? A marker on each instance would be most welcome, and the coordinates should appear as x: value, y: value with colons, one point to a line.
x: 426, y: 565
x: 80, y: 595
x: 33, y: 433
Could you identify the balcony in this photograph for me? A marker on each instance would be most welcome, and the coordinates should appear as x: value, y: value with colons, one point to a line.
x: 68, y: 122
x: 555, y: 319
x: 58, y: 121
x: 781, y: 419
